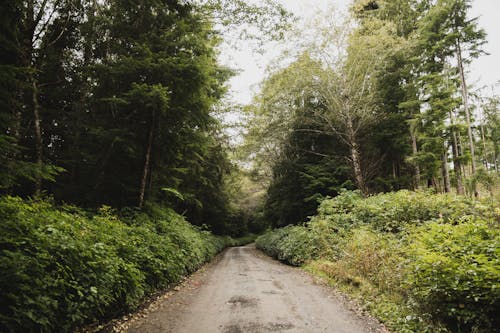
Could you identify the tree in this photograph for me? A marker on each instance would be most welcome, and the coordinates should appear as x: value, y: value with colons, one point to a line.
x: 22, y: 39
x: 348, y: 85
x: 491, y: 132
x: 446, y: 32
x: 468, y: 39
x: 289, y: 147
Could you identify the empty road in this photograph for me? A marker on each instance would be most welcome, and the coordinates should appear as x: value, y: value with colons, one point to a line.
x: 246, y: 291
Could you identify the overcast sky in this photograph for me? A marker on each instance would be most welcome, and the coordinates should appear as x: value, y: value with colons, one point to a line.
x: 484, y: 71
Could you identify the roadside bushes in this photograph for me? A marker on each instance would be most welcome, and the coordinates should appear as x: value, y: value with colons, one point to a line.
x: 394, y: 211
x: 420, y: 262
x: 293, y: 244
x: 64, y: 267
x: 454, y: 274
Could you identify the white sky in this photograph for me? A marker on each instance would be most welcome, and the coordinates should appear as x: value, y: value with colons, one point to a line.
x: 483, y: 72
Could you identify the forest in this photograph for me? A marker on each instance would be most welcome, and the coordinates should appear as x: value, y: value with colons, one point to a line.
x: 367, y: 156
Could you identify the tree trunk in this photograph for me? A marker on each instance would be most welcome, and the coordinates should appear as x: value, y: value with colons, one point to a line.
x: 358, y: 175
x: 446, y: 172
x: 463, y: 85
x: 16, y: 127
x: 415, y: 151
x: 435, y: 184
x: 485, y: 155
x: 147, y: 159
x: 38, y: 138
x: 356, y: 158
x: 457, y: 164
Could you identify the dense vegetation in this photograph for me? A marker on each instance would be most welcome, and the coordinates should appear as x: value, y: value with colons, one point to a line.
x: 111, y: 149
x: 116, y: 102
x: 420, y: 262
x: 379, y: 101
x: 116, y: 172
x: 63, y: 267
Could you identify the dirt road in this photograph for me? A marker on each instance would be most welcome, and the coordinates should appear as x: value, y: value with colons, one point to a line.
x: 246, y: 291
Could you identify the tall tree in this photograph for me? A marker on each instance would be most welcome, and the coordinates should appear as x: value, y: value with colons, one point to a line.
x: 491, y: 137
x: 445, y: 33
x: 42, y: 25
x: 24, y: 37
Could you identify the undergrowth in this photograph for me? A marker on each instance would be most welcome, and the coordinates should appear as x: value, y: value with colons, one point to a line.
x: 62, y: 267
x: 420, y: 262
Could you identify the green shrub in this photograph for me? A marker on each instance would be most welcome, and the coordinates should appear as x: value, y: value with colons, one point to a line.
x: 421, y: 262
x: 64, y: 267
x: 395, y: 211
x: 454, y: 274
x: 269, y: 242
x: 374, y: 257
x: 293, y: 244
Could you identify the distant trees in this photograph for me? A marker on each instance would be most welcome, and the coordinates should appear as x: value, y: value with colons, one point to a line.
x: 449, y: 40
x: 490, y: 133
x: 390, y: 96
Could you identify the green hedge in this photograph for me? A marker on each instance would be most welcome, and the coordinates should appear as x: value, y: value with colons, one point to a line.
x: 63, y: 267
x: 421, y: 262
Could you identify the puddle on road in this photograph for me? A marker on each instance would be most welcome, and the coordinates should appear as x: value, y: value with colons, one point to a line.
x: 257, y: 327
x: 243, y: 301
x: 278, y: 284
x: 232, y: 329
x: 275, y: 327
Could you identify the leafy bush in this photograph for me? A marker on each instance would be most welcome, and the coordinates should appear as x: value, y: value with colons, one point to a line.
x: 293, y: 244
x: 372, y: 256
x: 421, y: 262
x: 454, y: 274
x: 394, y: 211
x: 63, y: 267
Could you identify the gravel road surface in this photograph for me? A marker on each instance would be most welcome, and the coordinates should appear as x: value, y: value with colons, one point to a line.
x: 246, y: 291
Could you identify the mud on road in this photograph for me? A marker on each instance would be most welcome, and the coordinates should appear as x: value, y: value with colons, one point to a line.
x: 246, y: 291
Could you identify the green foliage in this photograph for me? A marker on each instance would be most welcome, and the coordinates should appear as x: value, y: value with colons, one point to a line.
x: 454, y: 273
x: 420, y: 262
x: 64, y: 267
x: 290, y: 146
x: 125, y: 119
x: 293, y: 244
x: 395, y: 211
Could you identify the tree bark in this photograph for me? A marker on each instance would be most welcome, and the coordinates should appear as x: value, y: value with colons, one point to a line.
x: 446, y: 172
x: 415, y: 151
x: 463, y: 85
x: 147, y: 161
x: 358, y: 175
x: 38, y: 138
x: 457, y: 164
x: 356, y: 158
x: 485, y: 155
